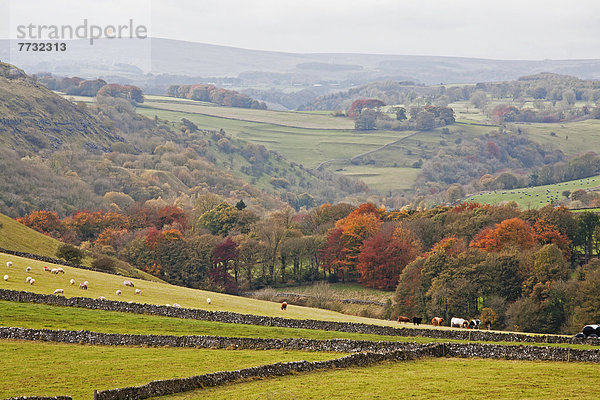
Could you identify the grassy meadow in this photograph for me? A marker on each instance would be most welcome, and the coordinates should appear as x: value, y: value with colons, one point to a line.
x: 106, y: 285
x: 16, y: 236
x: 537, y: 196
x: 445, y: 378
x: 51, y: 369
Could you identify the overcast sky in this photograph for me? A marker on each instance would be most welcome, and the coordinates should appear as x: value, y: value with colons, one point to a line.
x: 508, y: 29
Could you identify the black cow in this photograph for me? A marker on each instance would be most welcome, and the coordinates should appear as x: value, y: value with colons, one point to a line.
x: 417, y: 320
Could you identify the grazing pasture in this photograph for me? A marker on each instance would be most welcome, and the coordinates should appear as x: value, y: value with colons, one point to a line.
x: 37, y: 368
x: 536, y: 196
x: 445, y: 378
x: 101, y: 284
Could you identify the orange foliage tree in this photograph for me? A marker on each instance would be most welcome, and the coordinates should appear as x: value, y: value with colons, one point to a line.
x: 510, y: 232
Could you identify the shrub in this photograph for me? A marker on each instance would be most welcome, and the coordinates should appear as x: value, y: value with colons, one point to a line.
x: 69, y: 253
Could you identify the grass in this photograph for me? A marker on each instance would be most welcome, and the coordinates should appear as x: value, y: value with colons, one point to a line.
x: 444, y: 378
x: 286, y: 118
x: 16, y: 236
x: 537, y: 196
x: 383, y: 179
x: 344, y: 291
x: 37, y: 368
x: 101, y: 284
x: 41, y: 316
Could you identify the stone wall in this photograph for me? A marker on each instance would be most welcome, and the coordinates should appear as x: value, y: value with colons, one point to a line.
x: 201, y: 341
x: 231, y: 317
x: 172, y: 386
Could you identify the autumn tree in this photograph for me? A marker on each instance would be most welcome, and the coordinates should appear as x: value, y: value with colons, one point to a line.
x: 511, y: 232
x: 384, y: 255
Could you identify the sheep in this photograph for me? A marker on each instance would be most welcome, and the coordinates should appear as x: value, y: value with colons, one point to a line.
x: 54, y: 270
x: 208, y: 300
x: 83, y: 286
x: 72, y: 282
x: 28, y: 279
x: 128, y: 283
x: 31, y: 281
x: 6, y: 278
x: 118, y: 292
x: 284, y: 305
x: 59, y: 291
x: 60, y: 270
x: 138, y: 291
x: 101, y: 298
x: 28, y: 269
x: 9, y: 264
x: 176, y: 305
x: 47, y: 269
x: 86, y: 283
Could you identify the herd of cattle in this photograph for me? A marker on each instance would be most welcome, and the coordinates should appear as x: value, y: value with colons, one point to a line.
x: 454, y: 322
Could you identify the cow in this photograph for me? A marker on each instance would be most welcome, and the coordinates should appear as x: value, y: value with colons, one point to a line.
x: 437, y: 321
x: 459, y: 323
x: 474, y: 323
x: 417, y: 320
x: 403, y: 319
x: 284, y: 305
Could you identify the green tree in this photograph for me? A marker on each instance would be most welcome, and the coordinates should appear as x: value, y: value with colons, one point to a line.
x: 69, y: 253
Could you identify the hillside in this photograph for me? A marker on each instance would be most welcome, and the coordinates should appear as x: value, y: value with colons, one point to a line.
x: 18, y: 237
x: 34, y: 119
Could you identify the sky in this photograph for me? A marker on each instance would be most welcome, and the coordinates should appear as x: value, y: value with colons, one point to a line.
x: 508, y: 29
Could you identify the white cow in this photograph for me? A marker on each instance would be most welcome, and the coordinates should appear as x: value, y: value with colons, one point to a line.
x: 459, y: 322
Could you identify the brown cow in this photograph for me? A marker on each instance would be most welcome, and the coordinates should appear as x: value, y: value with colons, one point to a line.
x: 437, y: 321
x: 284, y: 305
x: 403, y: 319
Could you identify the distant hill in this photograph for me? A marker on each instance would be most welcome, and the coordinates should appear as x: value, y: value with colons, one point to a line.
x: 128, y: 60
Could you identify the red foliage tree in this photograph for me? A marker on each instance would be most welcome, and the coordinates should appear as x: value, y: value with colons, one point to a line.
x: 384, y: 255
x: 361, y: 104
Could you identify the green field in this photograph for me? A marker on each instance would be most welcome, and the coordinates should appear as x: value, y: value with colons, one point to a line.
x: 537, y: 196
x: 343, y: 291
x: 445, y: 378
x: 51, y: 369
x: 287, y: 118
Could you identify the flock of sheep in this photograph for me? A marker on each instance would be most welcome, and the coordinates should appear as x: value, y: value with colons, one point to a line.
x: 84, y: 285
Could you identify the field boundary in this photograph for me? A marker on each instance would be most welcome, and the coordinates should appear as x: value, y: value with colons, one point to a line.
x: 172, y: 386
x: 249, y: 319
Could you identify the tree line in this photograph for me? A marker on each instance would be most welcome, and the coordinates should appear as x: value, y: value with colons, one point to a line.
x: 532, y: 270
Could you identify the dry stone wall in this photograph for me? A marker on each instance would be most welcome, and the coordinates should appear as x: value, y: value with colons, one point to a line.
x: 236, y: 318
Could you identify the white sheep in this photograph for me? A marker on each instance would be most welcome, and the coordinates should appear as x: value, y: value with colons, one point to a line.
x: 86, y: 283
x: 28, y: 279
x: 54, y: 270
x: 138, y: 291
x: 208, y: 300
x: 9, y: 264
x: 62, y: 271
x: 59, y: 291
x: 118, y: 292
x: 72, y: 282
x: 101, y: 298
x: 31, y: 281
x: 176, y: 305
x: 6, y: 278
x: 28, y: 269
x: 128, y: 283
x: 83, y: 286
